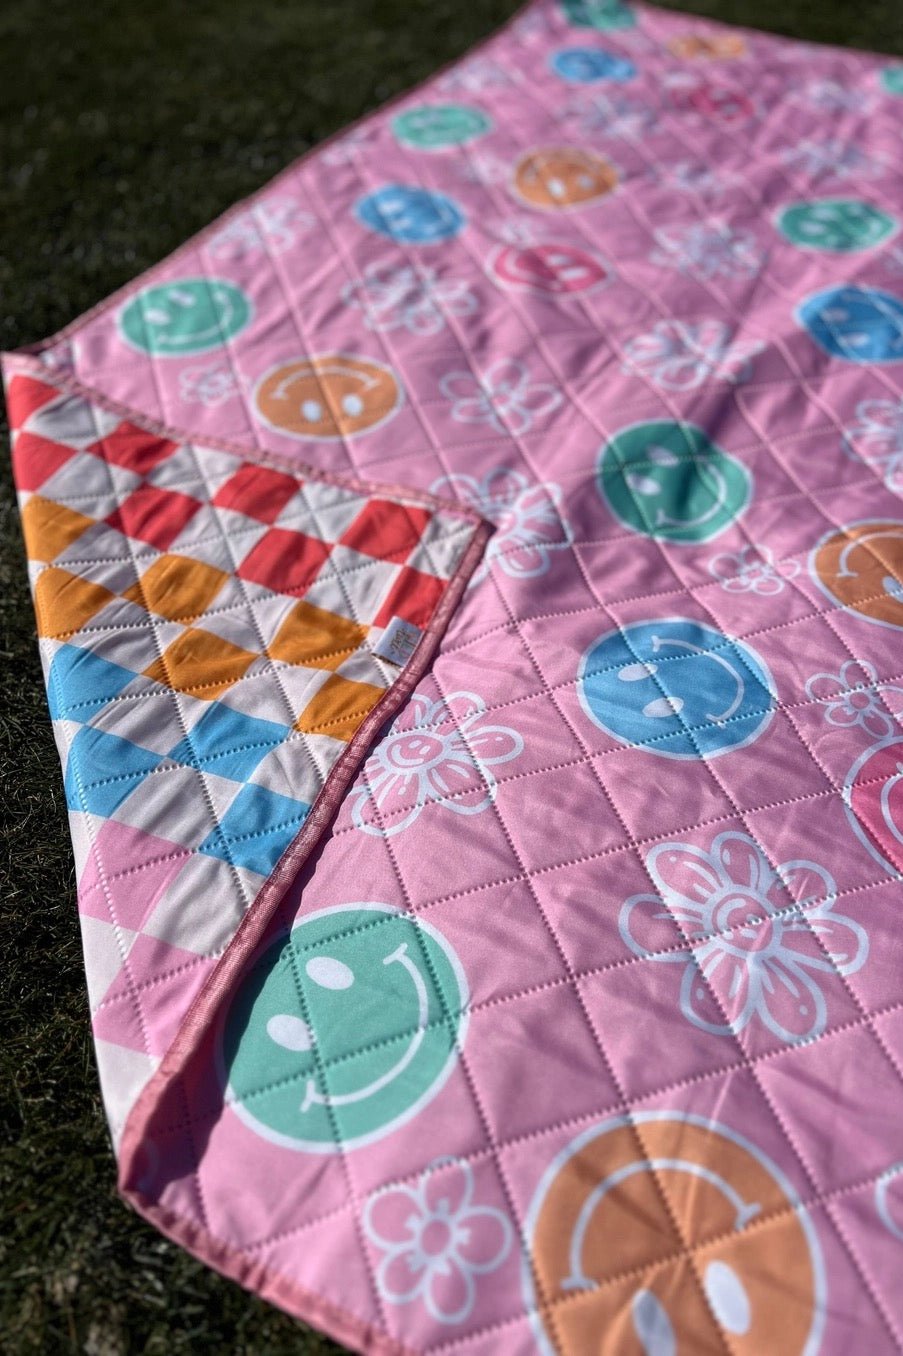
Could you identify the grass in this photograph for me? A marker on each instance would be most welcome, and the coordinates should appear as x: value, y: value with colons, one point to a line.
x: 125, y: 127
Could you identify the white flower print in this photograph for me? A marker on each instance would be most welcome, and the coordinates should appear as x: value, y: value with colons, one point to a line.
x: 268, y: 227
x: 763, y: 941
x: 877, y: 439
x: 436, y: 1241
x: 833, y: 97
x: 617, y: 116
x: 831, y: 158
x: 703, y: 180
x: 408, y: 297
x: 855, y: 696
x: 208, y: 386
x: 680, y: 355
x: 484, y: 167
x: 708, y: 249
x: 753, y: 570
x: 502, y: 396
x: 347, y: 150
x: 478, y: 74
x: 528, y: 518
x: 437, y: 752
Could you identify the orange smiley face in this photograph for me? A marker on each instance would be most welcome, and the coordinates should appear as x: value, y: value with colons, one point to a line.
x: 861, y: 567
x: 670, y: 1233
x: 563, y: 176
x: 712, y: 47
x: 336, y: 395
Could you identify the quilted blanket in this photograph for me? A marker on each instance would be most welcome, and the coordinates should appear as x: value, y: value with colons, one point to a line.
x: 469, y: 579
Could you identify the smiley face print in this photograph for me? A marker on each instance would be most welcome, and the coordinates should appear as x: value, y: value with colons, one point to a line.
x: 873, y: 795
x: 343, y: 1030
x: 552, y: 268
x: 562, y: 177
x: 665, y: 1234
x: 669, y: 480
x: 676, y: 688
x: 836, y: 225
x: 590, y: 65
x: 191, y: 315
x: 708, y: 46
x: 861, y: 567
x: 435, y: 127
x: 410, y: 216
x: 858, y: 324
x: 712, y: 101
x: 334, y: 396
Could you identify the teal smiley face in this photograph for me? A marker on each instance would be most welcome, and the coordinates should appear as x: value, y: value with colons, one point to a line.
x: 343, y: 1030
x: 600, y: 14
x: 434, y: 127
x: 190, y: 315
x: 668, y: 480
x: 836, y: 225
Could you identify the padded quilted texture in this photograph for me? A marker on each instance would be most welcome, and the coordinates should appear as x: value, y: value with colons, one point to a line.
x: 569, y: 1018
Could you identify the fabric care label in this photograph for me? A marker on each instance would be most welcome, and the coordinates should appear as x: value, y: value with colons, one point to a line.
x: 398, y: 642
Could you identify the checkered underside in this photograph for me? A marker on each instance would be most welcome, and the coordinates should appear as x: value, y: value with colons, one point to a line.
x: 208, y: 630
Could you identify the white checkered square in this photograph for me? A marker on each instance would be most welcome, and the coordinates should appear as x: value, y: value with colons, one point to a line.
x: 179, y: 920
x: 180, y: 804
x: 352, y: 585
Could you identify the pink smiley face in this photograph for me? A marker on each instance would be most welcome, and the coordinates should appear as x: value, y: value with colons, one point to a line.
x: 552, y: 268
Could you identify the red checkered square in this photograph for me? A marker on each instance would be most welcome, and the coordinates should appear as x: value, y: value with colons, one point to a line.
x: 257, y: 492
x: 134, y: 448
x: 387, y: 531
x: 25, y: 396
x: 35, y: 459
x: 286, y: 562
x: 413, y: 596
x: 154, y: 515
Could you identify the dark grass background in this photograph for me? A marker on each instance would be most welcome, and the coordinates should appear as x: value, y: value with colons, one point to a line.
x: 124, y: 127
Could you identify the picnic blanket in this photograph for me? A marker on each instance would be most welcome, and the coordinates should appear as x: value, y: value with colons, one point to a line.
x: 469, y: 578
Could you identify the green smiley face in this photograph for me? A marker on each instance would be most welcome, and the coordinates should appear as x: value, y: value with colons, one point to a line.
x: 191, y: 315
x: 669, y: 480
x: 433, y: 127
x: 836, y: 225
x: 343, y: 1030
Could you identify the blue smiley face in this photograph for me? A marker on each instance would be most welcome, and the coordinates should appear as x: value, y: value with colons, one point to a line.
x: 410, y: 216
x: 588, y: 65
x: 859, y: 324
x: 676, y: 688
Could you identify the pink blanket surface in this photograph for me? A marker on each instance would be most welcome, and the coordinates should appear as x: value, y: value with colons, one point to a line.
x: 470, y: 585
